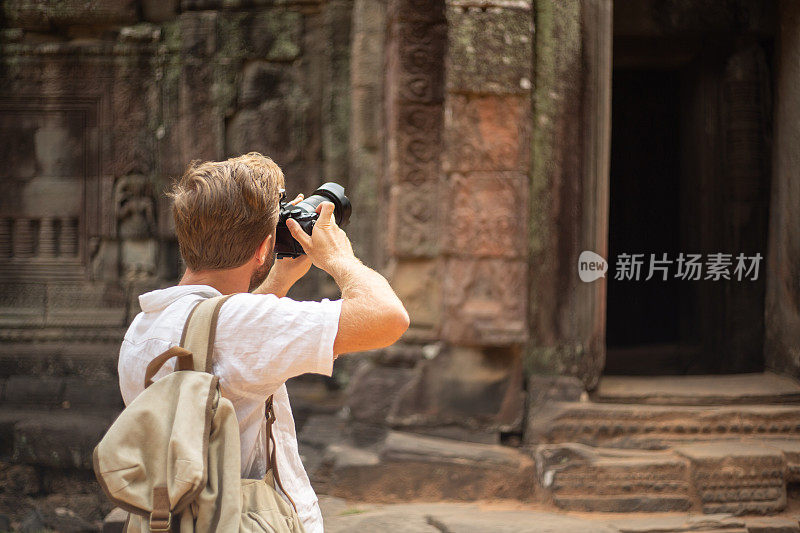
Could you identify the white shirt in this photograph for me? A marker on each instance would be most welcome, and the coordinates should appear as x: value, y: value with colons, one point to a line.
x: 261, y: 341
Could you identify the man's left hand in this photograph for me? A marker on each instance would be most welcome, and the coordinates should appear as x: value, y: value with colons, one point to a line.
x: 286, y: 271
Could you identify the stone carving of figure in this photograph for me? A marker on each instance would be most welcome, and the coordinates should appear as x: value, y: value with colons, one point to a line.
x: 135, y: 208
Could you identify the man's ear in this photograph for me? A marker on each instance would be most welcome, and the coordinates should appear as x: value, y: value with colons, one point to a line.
x: 265, y: 249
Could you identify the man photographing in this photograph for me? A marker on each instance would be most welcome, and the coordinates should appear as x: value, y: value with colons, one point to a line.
x: 226, y: 215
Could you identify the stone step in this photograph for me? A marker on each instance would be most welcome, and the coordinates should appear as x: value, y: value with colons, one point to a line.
x: 699, y: 390
x: 738, y: 478
x: 656, y: 426
x: 67, y: 393
x: 407, y: 467
x: 582, y: 478
x: 746, y: 477
x: 61, y: 439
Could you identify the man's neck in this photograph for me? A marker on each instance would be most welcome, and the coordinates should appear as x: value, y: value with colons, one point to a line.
x: 228, y: 281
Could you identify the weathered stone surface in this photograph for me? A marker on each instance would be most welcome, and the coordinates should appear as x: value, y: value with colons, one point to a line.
x: 467, y: 387
x: 374, y: 389
x: 367, y: 126
x: 416, y: 134
x: 737, y: 478
x: 657, y: 427
x: 76, y: 304
x: 772, y: 525
x: 581, y: 478
x: 486, y: 215
x: 319, y: 431
x: 418, y: 285
x: 378, y: 521
x: 486, y: 132
x: 19, y: 479
x: 274, y: 35
x: 680, y: 523
x: 414, y: 215
x: 781, y: 316
x: 456, y: 518
x: 489, y: 51
x: 790, y: 448
x: 33, y: 15
x: 543, y: 389
x: 82, y: 393
x: 414, y: 467
x: 699, y: 390
x: 60, y: 441
x: 484, y: 303
x: 513, y: 522
x: 31, y: 390
x: 570, y: 138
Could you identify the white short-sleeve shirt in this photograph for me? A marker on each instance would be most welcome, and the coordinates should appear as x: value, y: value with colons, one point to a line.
x: 261, y: 341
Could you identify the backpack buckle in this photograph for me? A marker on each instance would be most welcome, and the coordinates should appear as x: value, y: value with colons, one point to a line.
x: 160, y: 523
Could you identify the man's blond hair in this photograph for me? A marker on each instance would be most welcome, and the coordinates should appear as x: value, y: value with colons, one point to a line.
x: 224, y: 210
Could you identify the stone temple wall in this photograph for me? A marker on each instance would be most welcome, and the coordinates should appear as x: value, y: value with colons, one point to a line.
x: 457, y: 122
x: 102, y: 105
x: 420, y: 108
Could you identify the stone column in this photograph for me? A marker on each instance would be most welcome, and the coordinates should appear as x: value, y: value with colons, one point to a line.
x: 459, y: 122
x: 68, y: 245
x: 24, y: 237
x: 414, y: 108
x: 5, y: 238
x: 782, y: 318
x: 47, y: 238
x: 569, y: 185
x: 367, y: 127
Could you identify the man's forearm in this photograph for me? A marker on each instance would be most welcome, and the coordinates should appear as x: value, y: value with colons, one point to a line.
x: 371, y: 311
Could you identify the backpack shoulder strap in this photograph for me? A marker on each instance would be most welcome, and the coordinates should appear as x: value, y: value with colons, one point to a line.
x: 200, y: 331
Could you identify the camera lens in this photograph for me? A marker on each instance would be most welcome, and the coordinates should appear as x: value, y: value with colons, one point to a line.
x: 329, y: 192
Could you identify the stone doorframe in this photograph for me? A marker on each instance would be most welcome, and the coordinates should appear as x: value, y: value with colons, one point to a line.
x: 569, y: 187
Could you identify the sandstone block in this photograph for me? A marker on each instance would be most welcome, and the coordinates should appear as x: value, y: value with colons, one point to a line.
x: 34, y: 390
x: 413, y: 219
x: 487, y: 215
x: 582, y: 478
x: 274, y: 35
x: 81, y: 392
x: 373, y: 390
x: 19, y: 479
x: 489, y: 51
x: 411, y: 466
x: 60, y: 441
x: 487, y: 132
x: 477, y: 389
x: 418, y: 284
x: 34, y: 15
x: 485, y: 302
x: 658, y: 427
x: 737, y: 478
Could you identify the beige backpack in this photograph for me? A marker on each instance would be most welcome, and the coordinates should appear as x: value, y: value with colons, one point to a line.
x: 172, y: 458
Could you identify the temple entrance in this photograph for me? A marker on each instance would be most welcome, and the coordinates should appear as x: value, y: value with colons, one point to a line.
x: 689, y: 174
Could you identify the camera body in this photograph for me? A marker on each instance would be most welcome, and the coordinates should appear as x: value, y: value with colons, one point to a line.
x: 305, y: 214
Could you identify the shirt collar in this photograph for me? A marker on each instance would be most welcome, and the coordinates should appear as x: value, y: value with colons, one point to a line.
x: 159, y: 299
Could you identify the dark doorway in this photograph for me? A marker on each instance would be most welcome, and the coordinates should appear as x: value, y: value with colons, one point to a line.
x: 645, y: 217
x: 689, y: 175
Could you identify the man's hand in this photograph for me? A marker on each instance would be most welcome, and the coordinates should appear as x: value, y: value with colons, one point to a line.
x: 286, y: 271
x: 372, y: 315
x: 327, y: 246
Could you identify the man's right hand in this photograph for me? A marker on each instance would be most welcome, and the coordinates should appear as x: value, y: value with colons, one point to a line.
x: 328, y: 245
x: 372, y: 315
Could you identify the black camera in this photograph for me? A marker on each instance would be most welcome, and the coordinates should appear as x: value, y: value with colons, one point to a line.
x: 305, y: 213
